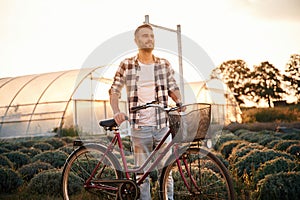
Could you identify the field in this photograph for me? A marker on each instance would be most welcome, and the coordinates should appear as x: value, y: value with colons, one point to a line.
x: 262, y: 157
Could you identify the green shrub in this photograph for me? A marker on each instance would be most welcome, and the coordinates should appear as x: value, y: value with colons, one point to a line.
x: 265, y: 141
x: 290, y: 136
x: 67, y: 149
x: 55, y: 142
x: 43, y: 146
x: 28, y: 143
x: 255, y: 158
x: 242, y: 144
x: 224, y: 161
x: 283, y: 186
x: 127, y: 145
x: 240, y: 131
x: 267, y: 132
x: 294, y: 150
x: 68, y: 140
x: 29, y: 170
x: 275, y: 166
x: 3, y: 150
x: 46, y: 183
x: 284, y: 144
x: 5, y: 162
x: 227, y: 147
x: 243, y: 149
x: 273, y: 143
x: 18, y: 158
x: 10, y: 180
x: 256, y: 137
x: 67, y: 132
x: 55, y: 158
x: 31, y: 152
x: 12, y: 146
x: 224, y: 138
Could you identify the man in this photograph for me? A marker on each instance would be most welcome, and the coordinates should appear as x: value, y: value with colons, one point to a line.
x: 147, y: 78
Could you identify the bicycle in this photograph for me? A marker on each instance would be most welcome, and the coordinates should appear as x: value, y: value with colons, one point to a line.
x: 94, y: 171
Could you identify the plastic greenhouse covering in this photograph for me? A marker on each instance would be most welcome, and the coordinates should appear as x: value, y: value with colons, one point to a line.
x: 36, y: 105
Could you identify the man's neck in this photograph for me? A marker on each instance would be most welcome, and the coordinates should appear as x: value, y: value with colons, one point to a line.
x: 145, y: 57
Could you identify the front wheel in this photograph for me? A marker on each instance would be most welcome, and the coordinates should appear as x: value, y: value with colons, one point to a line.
x: 78, y: 169
x: 204, y: 176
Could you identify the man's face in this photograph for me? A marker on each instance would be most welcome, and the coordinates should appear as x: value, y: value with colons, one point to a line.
x: 145, y: 39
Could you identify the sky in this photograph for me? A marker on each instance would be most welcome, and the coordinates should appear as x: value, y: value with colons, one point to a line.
x: 41, y: 36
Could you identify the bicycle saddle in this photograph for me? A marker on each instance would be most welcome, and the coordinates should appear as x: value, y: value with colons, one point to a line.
x: 108, y: 124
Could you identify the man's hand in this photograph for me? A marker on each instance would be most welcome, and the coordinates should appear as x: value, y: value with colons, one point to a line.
x: 181, y: 107
x: 119, y: 117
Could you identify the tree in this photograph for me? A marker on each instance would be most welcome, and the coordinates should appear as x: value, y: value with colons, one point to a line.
x: 265, y: 83
x: 292, y: 75
x: 235, y: 74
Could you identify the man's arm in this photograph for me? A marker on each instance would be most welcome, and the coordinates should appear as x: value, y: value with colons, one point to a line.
x: 176, y: 96
x: 114, y: 103
x: 174, y: 91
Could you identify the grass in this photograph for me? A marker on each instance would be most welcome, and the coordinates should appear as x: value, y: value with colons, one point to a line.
x: 257, y: 119
x: 289, y: 114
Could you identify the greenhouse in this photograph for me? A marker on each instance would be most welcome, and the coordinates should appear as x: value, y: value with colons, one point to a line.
x: 36, y: 105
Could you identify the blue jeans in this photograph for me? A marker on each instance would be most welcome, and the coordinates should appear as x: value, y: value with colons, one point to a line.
x: 144, y: 141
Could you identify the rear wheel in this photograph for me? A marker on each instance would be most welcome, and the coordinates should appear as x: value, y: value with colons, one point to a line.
x: 79, y: 167
x: 205, y: 175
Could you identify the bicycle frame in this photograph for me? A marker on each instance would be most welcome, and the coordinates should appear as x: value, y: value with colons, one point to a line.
x: 118, y: 141
x: 141, y: 168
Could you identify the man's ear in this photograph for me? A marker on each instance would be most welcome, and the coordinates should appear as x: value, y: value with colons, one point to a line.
x: 135, y: 41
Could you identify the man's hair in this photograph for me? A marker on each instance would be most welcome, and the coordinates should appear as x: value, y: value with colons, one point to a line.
x: 140, y: 27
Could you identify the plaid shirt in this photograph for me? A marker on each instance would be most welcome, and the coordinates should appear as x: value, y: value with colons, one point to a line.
x: 127, y: 74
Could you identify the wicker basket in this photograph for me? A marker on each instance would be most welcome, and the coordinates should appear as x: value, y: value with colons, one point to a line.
x: 192, y: 124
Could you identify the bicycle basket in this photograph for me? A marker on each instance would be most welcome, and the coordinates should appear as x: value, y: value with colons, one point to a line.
x: 192, y: 124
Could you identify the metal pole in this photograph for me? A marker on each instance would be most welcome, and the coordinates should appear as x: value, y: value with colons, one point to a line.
x: 146, y: 19
x: 178, y: 31
x: 180, y: 61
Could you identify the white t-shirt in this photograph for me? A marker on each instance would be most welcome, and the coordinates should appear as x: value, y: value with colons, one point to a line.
x: 146, y: 94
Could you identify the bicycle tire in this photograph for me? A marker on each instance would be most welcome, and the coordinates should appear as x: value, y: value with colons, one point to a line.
x: 78, y: 168
x: 212, y: 177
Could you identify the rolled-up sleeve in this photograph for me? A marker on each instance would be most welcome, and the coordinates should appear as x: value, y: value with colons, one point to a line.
x: 119, y: 80
x: 172, y: 85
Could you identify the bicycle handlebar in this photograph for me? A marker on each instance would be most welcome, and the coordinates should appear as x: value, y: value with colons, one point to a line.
x: 154, y: 104
x: 110, y: 123
x: 144, y: 106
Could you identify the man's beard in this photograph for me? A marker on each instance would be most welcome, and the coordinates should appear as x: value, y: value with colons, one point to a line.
x: 148, y: 50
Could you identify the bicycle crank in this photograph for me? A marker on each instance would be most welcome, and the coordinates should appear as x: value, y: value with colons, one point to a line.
x: 125, y: 189
x: 128, y: 190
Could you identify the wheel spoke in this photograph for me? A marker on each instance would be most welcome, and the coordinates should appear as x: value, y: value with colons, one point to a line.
x: 206, y: 177
x: 79, y: 168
